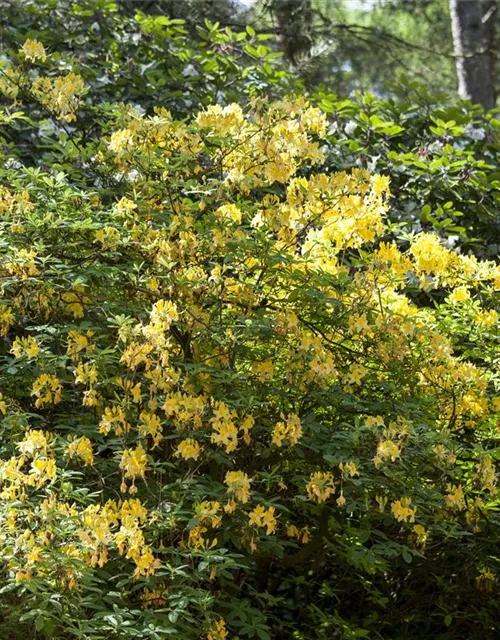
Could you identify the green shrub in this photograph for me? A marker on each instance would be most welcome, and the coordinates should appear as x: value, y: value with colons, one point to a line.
x: 223, y: 414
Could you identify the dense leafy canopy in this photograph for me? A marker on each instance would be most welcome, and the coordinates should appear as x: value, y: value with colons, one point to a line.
x: 249, y: 360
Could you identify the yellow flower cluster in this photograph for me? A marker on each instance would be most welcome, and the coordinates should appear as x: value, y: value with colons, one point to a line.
x: 47, y: 389
x: 81, y: 448
x: 34, y: 50
x: 207, y: 513
x: 100, y: 530
x: 133, y: 463
x: 238, y: 483
x: 224, y: 429
x: 218, y: 630
x: 189, y: 448
x: 21, y: 263
x: 108, y: 237
x: 403, y: 512
x: 6, y: 320
x: 25, y: 346
x: 290, y: 430
x: 262, y: 517
x: 455, y: 498
x: 386, y: 450
x: 78, y: 342
x: 60, y: 94
x: 150, y: 425
x: 321, y: 486
x: 292, y: 531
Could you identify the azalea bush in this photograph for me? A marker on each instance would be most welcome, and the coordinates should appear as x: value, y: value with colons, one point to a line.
x: 237, y: 400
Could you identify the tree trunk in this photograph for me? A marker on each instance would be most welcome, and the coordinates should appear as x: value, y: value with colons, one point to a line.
x: 473, y: 28
x: 294, y: 21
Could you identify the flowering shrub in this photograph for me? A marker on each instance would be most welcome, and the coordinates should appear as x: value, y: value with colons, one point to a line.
x: 221, y: 401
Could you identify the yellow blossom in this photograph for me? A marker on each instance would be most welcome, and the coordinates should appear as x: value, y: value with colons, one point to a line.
x: 486, y: 319
x: 114, y: 418
x: 386, y: 450
x: 189, y: 448
x: 262, y: 517
x: 321, y: 486
x: 35, y: 442
x: 239, y: 484
x: 47, y: 389
x: 150, y: 425
x: 207, y: 513
x: 459, y: 294
x: 218, y: 630
x: 60, y: 94
x: 133, y: 463
x: 402, y: 510
x: 290, y: 430
x: 455, y: 498
x: 81, y: 448
x: 246, y: 426
x: 27, y: 346
x: 34, y: 50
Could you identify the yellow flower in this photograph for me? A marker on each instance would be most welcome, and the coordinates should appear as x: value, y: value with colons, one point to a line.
x: 222, y: 120
x: 133, y: 464
x: 263, y: 370
x: 261, y: 517
x: 41, y: 471
x: 225, y: 432
x: 77, y: 342
x: 6, y: 320
x: 121, y: 141
x: 359, y: 324
x: 3, y: 405
x: 321, y: 486
x: 26, y: 346
x: 455, y: 498
x: 420, y: 535
x: 487, y: 319
x: 81, y: 448
x: 291, y: 431
x: 374, y: 421
x: 60, y: 94
x: 114, y: 418
x: 34, y: 50
x: 109, y: 237
x: 229, y: 213
x: 487, y: 475
x: 459, y: 294
x: 35, y: 442
x: 356, y: 373
x: 238, y: 483
x: 206, y: 513
x: 486, y: 580
x: 386, y: 450
x: 189, y: 448
x: 218, y: 631
x: 247, y: 425
x: 349, y: 469
x: 402, y: 510
x: 22, y: 263
x: 47, y: 389
x: 90, y: 398
x: 150, y: 425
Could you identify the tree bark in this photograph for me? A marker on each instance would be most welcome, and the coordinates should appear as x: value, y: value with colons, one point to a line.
x: 473, y: 28
x: 294, y: 21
